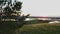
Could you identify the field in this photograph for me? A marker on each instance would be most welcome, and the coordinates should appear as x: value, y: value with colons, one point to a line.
x: 37, y: 27
x: 44, y: 28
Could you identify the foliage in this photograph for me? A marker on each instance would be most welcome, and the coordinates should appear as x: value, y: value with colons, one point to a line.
x: 18, y: 6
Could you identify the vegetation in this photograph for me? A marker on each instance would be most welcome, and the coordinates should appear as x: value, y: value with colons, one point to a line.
x: 36, y: 21
x: 11, y: 11
x: 41, y: 29
x: 36, y: 28
x: 15, y: 27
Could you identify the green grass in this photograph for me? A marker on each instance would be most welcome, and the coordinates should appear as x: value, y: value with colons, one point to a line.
x: 44, y: 28
x: 38, y: 28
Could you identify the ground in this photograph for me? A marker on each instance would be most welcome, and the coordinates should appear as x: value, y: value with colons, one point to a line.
x: 38, y: 28
x: 44, y: 28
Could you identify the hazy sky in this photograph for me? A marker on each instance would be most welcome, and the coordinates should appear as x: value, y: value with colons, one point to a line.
x: 41, y: 7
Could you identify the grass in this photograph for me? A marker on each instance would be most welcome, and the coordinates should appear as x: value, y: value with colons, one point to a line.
x: 38, y: 28
x: 43, y: 28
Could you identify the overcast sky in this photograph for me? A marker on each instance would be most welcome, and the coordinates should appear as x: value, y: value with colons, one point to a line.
x: 41, y: 7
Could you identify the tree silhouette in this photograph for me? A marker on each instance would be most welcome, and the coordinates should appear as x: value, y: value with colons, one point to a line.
x: 17, y: 6
x: 6, y: 26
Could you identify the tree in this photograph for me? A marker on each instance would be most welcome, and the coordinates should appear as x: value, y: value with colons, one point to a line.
x: 17, y: 6
x: 7, y: 26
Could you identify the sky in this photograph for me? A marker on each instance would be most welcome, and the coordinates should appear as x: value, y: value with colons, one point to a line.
x: 41, y: 7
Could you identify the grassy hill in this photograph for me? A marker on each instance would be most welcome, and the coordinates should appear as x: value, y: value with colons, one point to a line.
x: 43, y: 28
